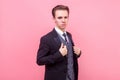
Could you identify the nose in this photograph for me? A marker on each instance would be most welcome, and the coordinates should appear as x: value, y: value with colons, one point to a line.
x: 63, y: 20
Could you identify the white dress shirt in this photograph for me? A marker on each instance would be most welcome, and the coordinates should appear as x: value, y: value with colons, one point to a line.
x: 61, y: 33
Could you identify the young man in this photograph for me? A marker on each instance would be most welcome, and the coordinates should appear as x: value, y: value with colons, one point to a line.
x: 57, y: 51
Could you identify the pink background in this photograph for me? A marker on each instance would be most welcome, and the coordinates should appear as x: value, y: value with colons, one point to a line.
x: 95, y: 25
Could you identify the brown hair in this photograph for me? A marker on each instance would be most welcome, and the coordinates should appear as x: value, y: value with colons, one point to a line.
x: 59, y: 7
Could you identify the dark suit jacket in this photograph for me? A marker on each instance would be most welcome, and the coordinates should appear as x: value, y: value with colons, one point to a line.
x: 49, y: 55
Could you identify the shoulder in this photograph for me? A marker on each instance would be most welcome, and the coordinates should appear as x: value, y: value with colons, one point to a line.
x: 46, y: 36
x: 49, y: 35
x: 69, y: 34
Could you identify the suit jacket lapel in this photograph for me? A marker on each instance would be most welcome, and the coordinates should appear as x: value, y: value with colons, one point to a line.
x: 70, y: 38
x: 56, y: 38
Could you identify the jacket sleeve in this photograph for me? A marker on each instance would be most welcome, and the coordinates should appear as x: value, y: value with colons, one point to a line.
x: 43, y: 55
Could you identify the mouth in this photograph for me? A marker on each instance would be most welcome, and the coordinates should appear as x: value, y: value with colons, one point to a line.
x: 63, y: 24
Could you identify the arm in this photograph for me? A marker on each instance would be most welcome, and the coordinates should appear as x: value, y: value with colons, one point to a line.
x: 43, y: 55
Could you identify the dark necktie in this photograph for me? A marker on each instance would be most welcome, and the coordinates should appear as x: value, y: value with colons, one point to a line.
x: 70, y: 60
x: 65, y: 36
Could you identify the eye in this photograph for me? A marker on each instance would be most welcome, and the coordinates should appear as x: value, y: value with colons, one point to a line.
x: 66, y: 17
x: 59, y: 17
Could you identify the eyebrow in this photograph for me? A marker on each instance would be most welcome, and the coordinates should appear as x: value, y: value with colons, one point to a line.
x: 62, y: 17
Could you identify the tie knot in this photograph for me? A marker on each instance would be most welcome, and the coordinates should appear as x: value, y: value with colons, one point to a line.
x: 64, y: 34
x: 65, y: 37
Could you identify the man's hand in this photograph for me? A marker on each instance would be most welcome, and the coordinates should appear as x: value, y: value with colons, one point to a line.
x: 76, y: 50
x: 63, y: 49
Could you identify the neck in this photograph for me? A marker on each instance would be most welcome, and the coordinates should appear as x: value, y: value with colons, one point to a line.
x: 63, y: 30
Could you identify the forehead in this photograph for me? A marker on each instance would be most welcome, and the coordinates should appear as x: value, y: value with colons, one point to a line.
x: 61, y: 13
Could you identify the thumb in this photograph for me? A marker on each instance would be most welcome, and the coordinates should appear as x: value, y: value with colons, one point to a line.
x: 65, y: 46
x: 62, y: 45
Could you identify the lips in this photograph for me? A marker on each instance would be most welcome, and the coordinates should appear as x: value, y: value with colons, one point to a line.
x: 63, y: 24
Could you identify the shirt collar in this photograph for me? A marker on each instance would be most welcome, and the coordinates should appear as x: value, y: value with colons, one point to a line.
x: 59, y: 31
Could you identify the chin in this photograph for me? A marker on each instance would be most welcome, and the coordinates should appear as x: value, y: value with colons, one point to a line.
x: 63, y: 27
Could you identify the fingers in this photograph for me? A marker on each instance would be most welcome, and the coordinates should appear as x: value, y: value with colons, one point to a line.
x: 63, y: 49
x: 76, y: 50
x: 62, y: 45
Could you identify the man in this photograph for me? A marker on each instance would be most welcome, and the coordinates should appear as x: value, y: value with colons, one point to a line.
x: 57, y: 51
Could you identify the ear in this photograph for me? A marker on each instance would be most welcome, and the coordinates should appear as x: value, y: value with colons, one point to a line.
x: 54, y: 19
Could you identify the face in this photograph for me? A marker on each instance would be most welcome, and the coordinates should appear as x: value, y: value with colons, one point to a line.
x: 61, y: 19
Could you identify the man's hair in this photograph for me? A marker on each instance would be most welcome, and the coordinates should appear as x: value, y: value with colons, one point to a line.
x: 59, y: 7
